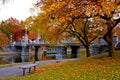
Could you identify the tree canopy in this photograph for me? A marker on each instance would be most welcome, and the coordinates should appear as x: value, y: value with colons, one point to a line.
x: 71, y: 18
x: 9, y: 26
x: 3, y: 40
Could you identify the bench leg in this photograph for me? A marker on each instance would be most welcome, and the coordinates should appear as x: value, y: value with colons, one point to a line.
x: 23, y: 71
x: 34, y: 68
x: 30, y: 70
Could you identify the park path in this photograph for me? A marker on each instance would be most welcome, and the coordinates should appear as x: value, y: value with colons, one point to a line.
x: 16, y: 71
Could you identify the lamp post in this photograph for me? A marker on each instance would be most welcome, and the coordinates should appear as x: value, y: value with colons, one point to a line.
x: 25, y: 36
x: 10, y: 38
x: 38, y: 37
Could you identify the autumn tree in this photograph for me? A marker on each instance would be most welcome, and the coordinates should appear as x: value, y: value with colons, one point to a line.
x: 3, y: 40
x: 109, y: 11
x: 9, y: 26
x: 105, y: 10
x: 69, y: 16
x: 86, y: 31
x: 18, y: 35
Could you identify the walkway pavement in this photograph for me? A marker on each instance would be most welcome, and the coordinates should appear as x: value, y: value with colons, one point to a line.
x: 16, y: 71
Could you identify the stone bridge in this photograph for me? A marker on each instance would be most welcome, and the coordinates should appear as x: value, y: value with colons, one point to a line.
x: 61, y: 49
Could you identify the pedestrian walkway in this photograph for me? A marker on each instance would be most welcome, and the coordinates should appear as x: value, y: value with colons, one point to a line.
x: 16, y: 71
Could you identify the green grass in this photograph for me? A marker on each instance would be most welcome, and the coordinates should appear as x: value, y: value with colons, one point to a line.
x: 5, y: 65
x: 8, y: 65
x: 94, y: 68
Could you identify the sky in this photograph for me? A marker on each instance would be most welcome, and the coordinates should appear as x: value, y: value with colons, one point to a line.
x: 18, y: 9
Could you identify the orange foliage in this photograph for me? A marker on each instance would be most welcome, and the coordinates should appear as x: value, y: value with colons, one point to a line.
x: 46, y: 58
x: 39, y: 70
x: 9, y: 26
x: 72, y: 16
x: 52, y: 66
x: 33, y: 36
x: 3, y: 40
x: 15, y: 23
x: 58, y: 15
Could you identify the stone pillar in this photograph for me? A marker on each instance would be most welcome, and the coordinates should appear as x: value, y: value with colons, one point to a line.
x: 64, y: 51
x: 74, y: 51
x: 25, y: 54
x: 36, y: 53
x: 61, y: 52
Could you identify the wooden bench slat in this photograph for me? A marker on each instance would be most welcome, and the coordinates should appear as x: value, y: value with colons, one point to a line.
x: 28, y: 65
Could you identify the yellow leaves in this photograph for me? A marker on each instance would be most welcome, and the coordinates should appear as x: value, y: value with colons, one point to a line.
x: 102, y: 8
x: 62, y: 19
x: 85, y: 69
x: 72, y: 6
x: 3, y: 40
x: 107, y: 8
x: 68, y: 16
x: 88, y: 12
x: 55, y: 6
x: 60, y: 12
x: 65, y: 18
x: 39, y: 70
x: 64, y: 26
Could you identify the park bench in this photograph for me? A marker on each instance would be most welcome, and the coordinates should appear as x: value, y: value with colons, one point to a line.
x: 29, y: 67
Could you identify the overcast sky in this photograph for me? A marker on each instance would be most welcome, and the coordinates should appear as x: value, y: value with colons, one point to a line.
x: 17, y: 9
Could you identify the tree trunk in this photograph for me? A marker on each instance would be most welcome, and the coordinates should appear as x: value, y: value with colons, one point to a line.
x: 36, y: 53
x: 87, y: 51
x: 108, y: 37
x: 111, y: 49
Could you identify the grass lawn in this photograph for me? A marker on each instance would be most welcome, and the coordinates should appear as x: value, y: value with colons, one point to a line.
x: 94, y: 68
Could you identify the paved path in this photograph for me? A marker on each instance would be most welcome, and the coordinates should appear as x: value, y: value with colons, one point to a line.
x: 16, y: 71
